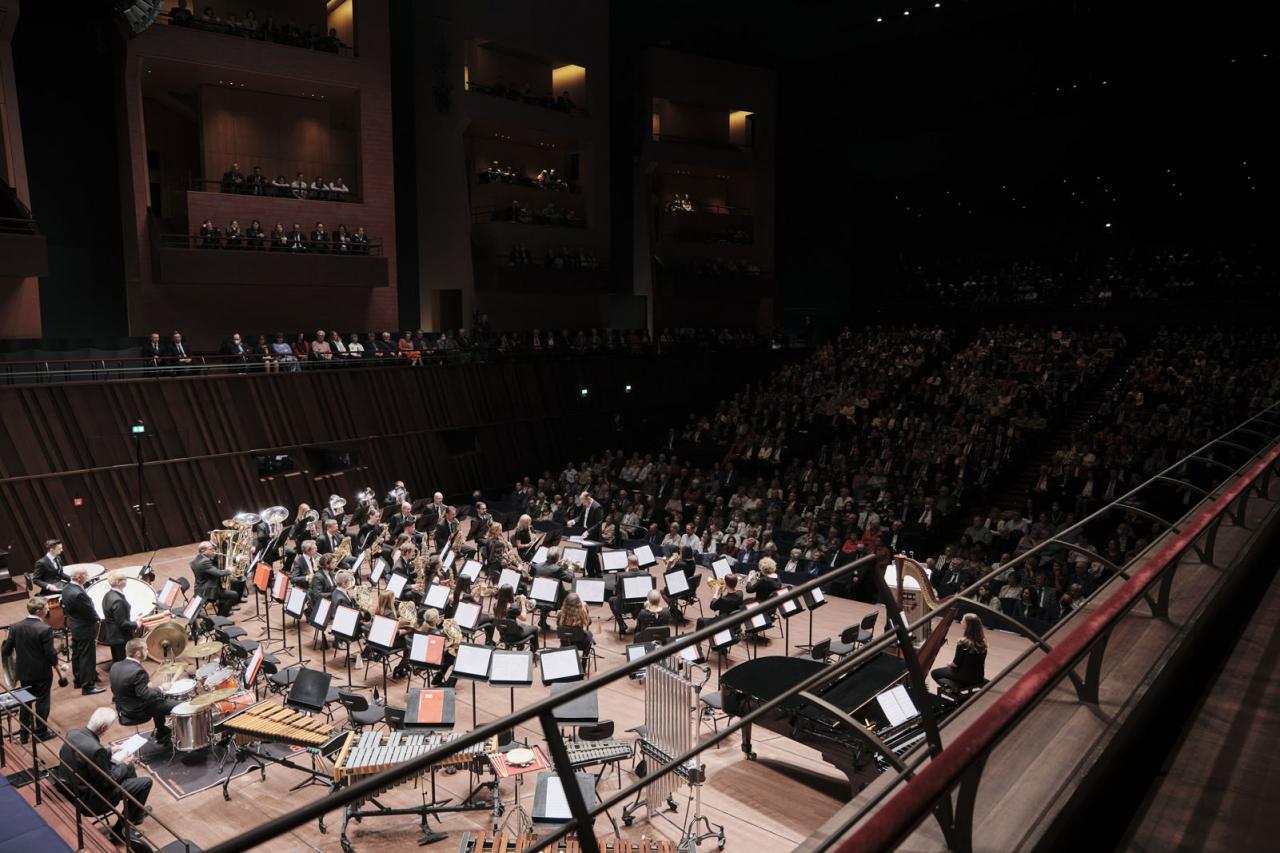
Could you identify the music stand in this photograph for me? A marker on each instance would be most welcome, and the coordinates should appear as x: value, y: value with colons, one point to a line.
x: 561, y: 664
x: 376, y: 573
x: 430, y: 708
x: 512, y: 669
x: 470, y: 570
x: 437, y: 596
x: 551, y: 806
x: 280, y: 591
x: 308, y: 694
x: 644, y: 555
x: 345, y: 626
x: 753, y: 627
x: 547, y: 594
x: 721, y: 641
x: 472, y: 662
x: 813, y: 599
x: 613, y: 561
x: 319, y: 620
x: 511, y: 578
x: 425, y: 655
x: 382, y: 637
x: 296, y: 606
x: 396, y: 584
x: 634, y: 652
x: 788, y: 609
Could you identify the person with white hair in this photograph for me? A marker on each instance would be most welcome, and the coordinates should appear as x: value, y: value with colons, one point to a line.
x: 82, y: 619
x: 208, y: 579
x: 100, y: 782
x: 120, y: 628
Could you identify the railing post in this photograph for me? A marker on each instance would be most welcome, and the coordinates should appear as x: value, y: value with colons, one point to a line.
x: 569, y: 781
x: 956, y: 818
x: 1087, y: 689
x: 35, y: 757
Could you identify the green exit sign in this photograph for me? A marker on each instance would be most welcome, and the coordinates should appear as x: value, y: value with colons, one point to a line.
x: 139, y: 429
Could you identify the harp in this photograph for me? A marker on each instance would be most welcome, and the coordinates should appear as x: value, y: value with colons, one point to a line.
x: 916, y: 602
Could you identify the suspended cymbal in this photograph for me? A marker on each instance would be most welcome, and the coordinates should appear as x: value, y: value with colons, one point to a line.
x: 166, y: 641
x: 169, y: 671
x: 214, y: 696
x: 205, y: 649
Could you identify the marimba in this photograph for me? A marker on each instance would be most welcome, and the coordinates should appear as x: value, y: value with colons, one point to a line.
x: 510, y: 842
x: 375, y: 751
x: 268, y: 721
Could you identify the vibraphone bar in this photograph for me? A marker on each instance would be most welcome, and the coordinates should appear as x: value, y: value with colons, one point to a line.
x: 269, y: 721
x: 509, y: 842
x: 585, y: 753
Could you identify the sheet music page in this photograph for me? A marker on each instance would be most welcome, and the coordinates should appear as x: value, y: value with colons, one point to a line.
x: 168, y: 593
x: 816, y: 594
x: 577, y: 540
x: 396, y: 584
x: 722, y: 638
x: 759, y: 621
x: 345, y: 620
x: 473, y: 660
x: 560, y: 663
x: 437, y: 596
x: 590, y: 590
x: 721, y: 568
x: 255, y: 662
x: 297, y: 599
x: 644, y: 555
x: 192, y: 606
x: 129, y: 747
x: 427, y: 648
x: 897, y: 705
x: 557, y: 803
x: 677, y: 582
x: 546, y: 589
x: 321, y: 614
x: 379, y: 568
x: 691, y: 654
x: 447, y: 559
x: 540, y: 555
x: 613, y: 561
x: 575, y: 555
x: 382, y: 631
x: 471, y: 570
x: 637, y: 587
x: 280, y: 586
x: 509, y: 577
x: 418, y: 648
x: 635, y: 651
x: 467, y: 614
x: 511, y: 668
x: 355, y: 567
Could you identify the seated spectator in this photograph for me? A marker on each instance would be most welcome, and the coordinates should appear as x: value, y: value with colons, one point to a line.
x: 338, y: 190
x: 180, y: 14
x: 254, y: 235
x: 301, y: 347
x: 284, y: 353
x: 355, y: 349
x: 342, y: 239
x: 339, y: 346
x: 235, y: 236
x: 320, y: 349
x: 300, y: 186
x: 262, y: 351
x: 233, y: 179
x: 282, y: 186
x: 406, y: 348
x: 320, y: 238
x: 279, y: 237
x: 385, y: 347
x: 210, y: 235
x: 360, y: 242
x: 320, y: 189
x: 256, y: 183
x: 298, y: 238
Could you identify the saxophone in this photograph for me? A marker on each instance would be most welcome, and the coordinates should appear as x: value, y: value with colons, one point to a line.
x: 342, y: 552
x: 418, y: 570
x: 375, y: 547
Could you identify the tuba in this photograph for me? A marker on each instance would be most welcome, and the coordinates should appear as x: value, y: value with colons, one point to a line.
x: 313, y: 523
x: 336, y: 506
x: 274, y: 516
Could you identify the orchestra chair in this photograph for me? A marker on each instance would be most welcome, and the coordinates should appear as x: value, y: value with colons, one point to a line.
x: 510, y: 634
x: 393, y: 717
x: 602, y: 730
x: 85, y: 800
x: 956, y: 690
x: 821, y: 650
x: 184, y: 585
x: 712, y: 711
x: 654, y: 634
x: 680, y: 602
x: 577, y: 637
x: 867, y: 627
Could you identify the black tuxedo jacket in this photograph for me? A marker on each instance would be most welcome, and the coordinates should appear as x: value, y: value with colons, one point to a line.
x: 589, y: 518
x: 208, y: 578
x: 82, y: 616
x: 32, y: 641
x: 130, y: 688
x: 120, y: 629
x: 444, y: 533
x: 325, y: 546
x: 48, y: 573
x: 153, y: 352
x: 96, y: 786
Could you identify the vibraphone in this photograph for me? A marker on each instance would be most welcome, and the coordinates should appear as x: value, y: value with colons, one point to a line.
x: 367, y: 753
x: 374, y: 752
x: 268, y: 721
x: 588, y: 753
x: 509, y: 842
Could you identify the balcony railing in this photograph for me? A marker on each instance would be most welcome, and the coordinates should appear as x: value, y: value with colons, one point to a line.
x: 263, y: 31
x: 18, y: 226
x: 271, y: 190
x: 264, y: 244
x: 701, y: 142
x: 519, y: 95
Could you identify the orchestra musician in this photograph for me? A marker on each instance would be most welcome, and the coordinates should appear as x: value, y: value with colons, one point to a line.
x: 514, y: 607
x: 133, y: 695
x: 368, y: 530
x: 82, y: 619
x: 764, y: 582
x: 435, y: 624
x: 31, y: 641
x: 304, y: 564
x: 120, y: 629
x: 322, y: 582
x: 654, y: 614
x: 482, y: 524
x: 343, y: 583
x: 620, y: 607
x: 574, y: 614
x: 463, y: 591
x: 208, y: 580
x: 522, y: 535
x: 103, y: 786
x: 969, y: 663
x: 330, y: 539
x: 726, y: 600
x: 400, y: 519
x: 48, y: 574
x: 446, y: 529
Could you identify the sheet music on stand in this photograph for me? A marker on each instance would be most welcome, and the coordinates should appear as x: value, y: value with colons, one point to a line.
x: 193, y: 606
x: 509, y: 577
x: 590, y: 590
x: 473, y: 661
x: 379, y: 568
x: 575, y: 555
x: 355, y: 567
x: 397, y: 584
x: 644, y: 555
x: 897, y: 706
x: 427, y: 649
x: 382, y: 631
x: 540, y: 555
x: 320, y: 616
x: 467, y: 615
x: 447, y: 559
x: 546, y: 591
x: 721, y: 568
x: 296, y: 603
x: 437, y: 596
x: 613, y: 561
x: 346, y: 621
x: 511, y: 668
x: 677, y: 582
x: 470, y: 570
x: 636, y: 587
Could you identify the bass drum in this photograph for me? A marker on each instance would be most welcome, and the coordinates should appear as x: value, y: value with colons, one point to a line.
x: 140, y: 595
x: 192, y: 727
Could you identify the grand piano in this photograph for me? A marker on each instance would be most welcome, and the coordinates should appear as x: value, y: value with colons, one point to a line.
x: 748, y: 685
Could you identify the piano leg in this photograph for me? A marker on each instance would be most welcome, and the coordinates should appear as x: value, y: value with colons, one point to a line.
x: 746, y: 742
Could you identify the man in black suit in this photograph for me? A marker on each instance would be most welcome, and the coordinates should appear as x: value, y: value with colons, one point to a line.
x: 133, y: 694
x: 115, y: 611
x: 176, y: 351
x: 400, y: 519
x: 552, y: 568
x: 48, y: 575
x: 104, y: 784
x: 82, y: 619
x: 446, y: 529
x: 304, y: 564
x: 481, y: 523
x: 153, y: 350
x: 322, y: 582
x: 588, y: 516
x: 330, y: 539
x: 208, y: 580
x: 727, y: 600
x: 31, y: 640
x: 236, y: 350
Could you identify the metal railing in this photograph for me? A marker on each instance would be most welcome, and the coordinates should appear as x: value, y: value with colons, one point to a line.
x: 278, y: 37
x: 931, y: 778
x: 9, y: 225
x: 509, y: 93
x: 265, y: 244
x: 272, y: 190
x: 101, y: 793
x: 482, y: 215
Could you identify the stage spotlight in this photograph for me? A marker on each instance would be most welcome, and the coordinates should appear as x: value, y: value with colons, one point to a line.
x: 139, y: 14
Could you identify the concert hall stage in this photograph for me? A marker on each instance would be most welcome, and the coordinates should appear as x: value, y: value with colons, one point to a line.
x: 772, y: 803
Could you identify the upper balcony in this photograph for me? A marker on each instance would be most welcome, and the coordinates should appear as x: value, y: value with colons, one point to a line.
x: 23, y: 251
x: 549, y: 83
x: 314, y: 25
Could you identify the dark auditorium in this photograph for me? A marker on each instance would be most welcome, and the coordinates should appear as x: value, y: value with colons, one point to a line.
x: 590, y: 426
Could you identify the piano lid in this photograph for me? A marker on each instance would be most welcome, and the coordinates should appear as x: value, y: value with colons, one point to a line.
x: 768, y: 677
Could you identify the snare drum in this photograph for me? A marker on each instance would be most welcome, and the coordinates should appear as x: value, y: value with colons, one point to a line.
x: 180, y: 690
x: 57, y: 618
x: 219, y: 678
x: 192, y: 727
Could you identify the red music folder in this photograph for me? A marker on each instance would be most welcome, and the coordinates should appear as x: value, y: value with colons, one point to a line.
x: 430, y: 706
x: 262, y: 576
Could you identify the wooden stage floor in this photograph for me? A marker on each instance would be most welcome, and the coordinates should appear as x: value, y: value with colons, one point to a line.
x: 772, y: 804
